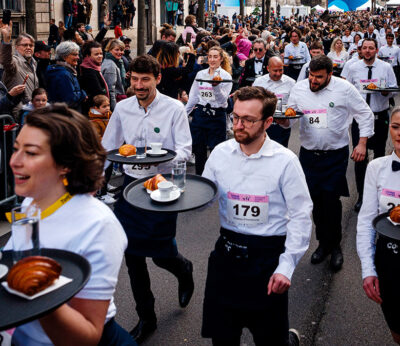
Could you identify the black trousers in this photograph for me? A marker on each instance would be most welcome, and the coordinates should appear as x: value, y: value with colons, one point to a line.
x: 140, y: 280
x: 279, y: 134
x: 359, y: 167
x: 327, y: 214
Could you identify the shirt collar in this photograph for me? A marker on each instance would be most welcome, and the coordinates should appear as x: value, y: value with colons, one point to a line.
x: 153, y: 104
x: 395, y: 157
x: 266, y: 149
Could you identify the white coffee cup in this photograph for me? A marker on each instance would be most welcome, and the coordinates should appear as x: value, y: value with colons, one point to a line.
x: 165, y: 188
x: 156, y: 147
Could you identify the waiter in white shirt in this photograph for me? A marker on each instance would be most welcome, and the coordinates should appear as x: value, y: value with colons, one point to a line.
x: 150, y: 234
x: 264, y: 208
x: 280, y: 85
x: 296, y: 54
x: 380, y: 260
x: 329, y: 103
x: 366, y: 71
x: 391, y: 54
x: 316, y: 48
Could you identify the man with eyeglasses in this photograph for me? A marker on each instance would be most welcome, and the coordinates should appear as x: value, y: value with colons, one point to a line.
x: 20, y: 65
x: 257, y: 66
x: 329, y: 104
x: 280, y: 84
x: 264, y: 208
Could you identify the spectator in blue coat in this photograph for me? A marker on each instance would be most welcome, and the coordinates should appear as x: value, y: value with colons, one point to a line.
x: 61, y: 78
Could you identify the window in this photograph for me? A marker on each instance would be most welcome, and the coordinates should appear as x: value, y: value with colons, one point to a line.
x: 14, y: 5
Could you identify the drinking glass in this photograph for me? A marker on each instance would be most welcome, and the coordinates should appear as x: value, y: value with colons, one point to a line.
x: 141, y: 145
x: 25, y: 231
x: 179, y: 174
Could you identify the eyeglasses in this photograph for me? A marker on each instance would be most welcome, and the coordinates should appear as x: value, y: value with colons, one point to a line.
x: 246, y: 122
x: 258, y: 49
x: 26, y: 45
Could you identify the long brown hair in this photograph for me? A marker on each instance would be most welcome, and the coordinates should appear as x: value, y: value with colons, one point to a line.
x: 168, y: 56
x: 225, y: 64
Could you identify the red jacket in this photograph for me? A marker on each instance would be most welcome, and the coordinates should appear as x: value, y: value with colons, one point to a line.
x: 117, y: 31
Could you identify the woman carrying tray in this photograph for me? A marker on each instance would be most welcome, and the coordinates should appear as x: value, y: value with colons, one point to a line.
x: 380, y: 262
x: 57, y: 162
x: 209, y: 101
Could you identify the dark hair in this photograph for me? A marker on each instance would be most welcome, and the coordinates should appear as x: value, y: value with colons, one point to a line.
x: 267, y: 98
x: 38, y: 91
x: 74, y: 144
x: 167, y: 30
x: 297, y: 31
x: 370, y: 39
x: 145, y: 64
x: 321, y: 62
x: 79, y: 25
x: 189, y: 19
x: 316, y: 45
x: 87, y: 47
x: 168, y: 55
x: 98, y: 100
x: 389, y: 35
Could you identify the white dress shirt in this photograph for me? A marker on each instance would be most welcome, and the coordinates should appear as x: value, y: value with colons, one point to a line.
x: 347, y: 40
x: 380, y: 183
x: 358, y: 76
x: 203, y: 93
x: 392, y: 52
x: 165, y: 122
x: 280, y: 88
x: 338, y: 59
x: 303, y: 74
x: 258, y: 66
x: 298, y: 51
x: 347, y: 66
x: 357, y: 32
x: 274, y: 177
x: 328, y: 114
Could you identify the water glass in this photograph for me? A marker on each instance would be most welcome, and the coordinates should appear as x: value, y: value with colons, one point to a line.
x: 179, y: 174
x: 141, y: 145
x: 25, y: 231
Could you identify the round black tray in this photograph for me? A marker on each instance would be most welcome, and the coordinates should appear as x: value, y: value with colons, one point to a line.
x: 382, y: 89
x: 15, y: 310
x: 214, y: 81
x: 279, y: 115
x: 148, y: 160
x: 293, y: 59
x: 198, y: 192
x: 383, y: 226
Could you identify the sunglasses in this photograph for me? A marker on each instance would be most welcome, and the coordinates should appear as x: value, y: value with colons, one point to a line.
x: 258, y: 49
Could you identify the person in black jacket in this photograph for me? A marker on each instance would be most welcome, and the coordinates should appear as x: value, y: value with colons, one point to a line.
x: 54, y: 37
x: 91, y: 80
x: 256, y: 66
x: 370, y: 33
x: 67, y: 6
x: 42, y: 56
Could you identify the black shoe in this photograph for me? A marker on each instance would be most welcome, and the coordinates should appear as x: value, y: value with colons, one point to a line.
x: 336, y: 259
x: 294, y: 337
x: 319, y: 255
x: 186, y: 286
x: 358, y: 205
x: 143, y: 330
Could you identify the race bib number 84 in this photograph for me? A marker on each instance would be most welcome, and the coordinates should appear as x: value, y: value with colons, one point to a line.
x: 247, y: 210
x: 316, y: 118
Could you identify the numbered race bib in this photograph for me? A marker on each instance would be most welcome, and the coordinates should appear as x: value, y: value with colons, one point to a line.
x: 207, y: 93
x: 365, y: 82
x: 316, y: 118
x: 140, y: 171
x: 389, y: 199
x: 247, y: 210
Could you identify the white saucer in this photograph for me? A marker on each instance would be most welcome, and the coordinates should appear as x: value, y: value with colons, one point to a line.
x: 162, y: 152
x: 3, y: 270
x: 155, y: 196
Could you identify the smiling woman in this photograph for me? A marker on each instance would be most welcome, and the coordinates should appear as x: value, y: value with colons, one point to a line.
x: 61, y: 78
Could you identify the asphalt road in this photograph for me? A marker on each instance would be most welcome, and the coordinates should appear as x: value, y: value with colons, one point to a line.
x: 326, y: 308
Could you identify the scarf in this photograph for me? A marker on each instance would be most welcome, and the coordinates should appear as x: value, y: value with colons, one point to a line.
x: 90, y: 64
x: 67, y: 66
x: 120, y: 65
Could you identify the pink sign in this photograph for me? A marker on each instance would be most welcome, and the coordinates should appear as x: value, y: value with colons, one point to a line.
x: 391, y: 193
x: 247, y: 198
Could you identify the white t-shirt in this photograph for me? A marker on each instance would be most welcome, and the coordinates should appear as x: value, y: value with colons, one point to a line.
x: 89, y: 228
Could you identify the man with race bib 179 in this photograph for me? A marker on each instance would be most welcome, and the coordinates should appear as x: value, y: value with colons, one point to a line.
x: 264, y: 208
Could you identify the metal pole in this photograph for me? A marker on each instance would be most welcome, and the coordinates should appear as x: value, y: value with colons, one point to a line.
x: 263, y: 12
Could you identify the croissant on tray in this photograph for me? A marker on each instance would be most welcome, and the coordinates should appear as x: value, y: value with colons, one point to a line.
x: 372, y: 86
x: 217, y: 78
x: 152, y: 183
x: 290, y: 112
x: 395, y: 214
x: 127, y: 150
x: 33, y: 274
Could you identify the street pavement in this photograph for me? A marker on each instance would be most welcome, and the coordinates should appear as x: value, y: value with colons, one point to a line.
x: 326, y: 308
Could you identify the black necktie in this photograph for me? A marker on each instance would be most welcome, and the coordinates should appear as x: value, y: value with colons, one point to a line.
x: 395, y: 166
x: 369, y: 77
x: 259, y: 60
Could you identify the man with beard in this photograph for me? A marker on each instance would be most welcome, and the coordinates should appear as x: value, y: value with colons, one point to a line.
x: 329, y: 103
x: 280, y: 85
x: 264, y: 208
x: 366, y: 71
x: 150, y: 234
x: 42, y: 57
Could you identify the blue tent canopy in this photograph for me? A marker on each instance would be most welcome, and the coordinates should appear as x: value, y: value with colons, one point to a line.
x: 347, y: 5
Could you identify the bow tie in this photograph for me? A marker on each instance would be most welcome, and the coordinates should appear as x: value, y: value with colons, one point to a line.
x: 257, y: 61
x: 395, y: 166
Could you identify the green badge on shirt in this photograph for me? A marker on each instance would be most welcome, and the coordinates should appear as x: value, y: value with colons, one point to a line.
x: 331, y: 104
x: 157, y: 130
